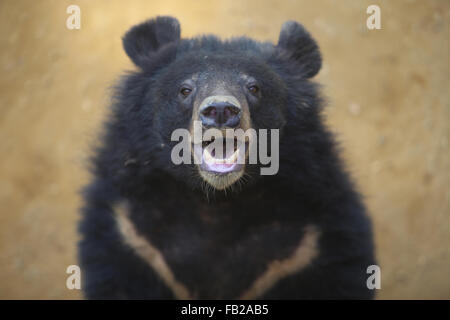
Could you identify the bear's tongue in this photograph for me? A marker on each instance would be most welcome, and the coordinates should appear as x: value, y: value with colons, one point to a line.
x: 219, y: 164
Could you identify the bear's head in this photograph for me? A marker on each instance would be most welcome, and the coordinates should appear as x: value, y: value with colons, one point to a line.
x: 224, y: 86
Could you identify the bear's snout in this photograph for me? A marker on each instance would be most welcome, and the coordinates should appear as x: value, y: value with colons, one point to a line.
x: 220, y: 112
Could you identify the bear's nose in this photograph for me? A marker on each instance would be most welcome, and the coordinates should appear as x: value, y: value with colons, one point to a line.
x: 220, y: 114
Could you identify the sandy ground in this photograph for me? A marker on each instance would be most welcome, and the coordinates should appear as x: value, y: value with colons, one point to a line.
x: 388, y: 102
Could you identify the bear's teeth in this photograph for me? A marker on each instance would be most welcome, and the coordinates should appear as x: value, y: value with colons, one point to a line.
x: 207, y: 156
x: 210, y: 159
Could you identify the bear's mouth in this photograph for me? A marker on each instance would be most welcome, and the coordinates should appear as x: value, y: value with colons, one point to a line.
x: 221, y: 156
x: 221, y: 162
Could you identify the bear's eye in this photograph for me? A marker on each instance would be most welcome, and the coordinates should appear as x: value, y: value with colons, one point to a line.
x: 185, y: 91
x: 254, y: 89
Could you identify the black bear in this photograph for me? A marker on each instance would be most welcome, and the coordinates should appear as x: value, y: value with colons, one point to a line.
x: 216, y: 227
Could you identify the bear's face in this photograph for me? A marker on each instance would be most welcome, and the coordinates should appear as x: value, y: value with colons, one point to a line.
x: 222, y: 88
x: 220, y: 92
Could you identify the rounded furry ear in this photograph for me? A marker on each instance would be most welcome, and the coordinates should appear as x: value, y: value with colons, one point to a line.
x: 143, y: 40
x: 298, y: 44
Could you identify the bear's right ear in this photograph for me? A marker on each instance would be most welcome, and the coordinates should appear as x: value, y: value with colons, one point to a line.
x: 143, y: 40
x: 298, y: 44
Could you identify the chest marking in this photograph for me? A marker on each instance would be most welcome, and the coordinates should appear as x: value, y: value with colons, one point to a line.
x: 148, y: 252
x: 305, y: 252
x: 303, y: 255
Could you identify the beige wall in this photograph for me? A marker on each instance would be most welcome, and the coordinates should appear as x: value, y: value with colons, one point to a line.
x: 388, y: 102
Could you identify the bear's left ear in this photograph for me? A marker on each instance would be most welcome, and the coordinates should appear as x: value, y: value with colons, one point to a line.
x: 295, y: 41
x: 143, y: 40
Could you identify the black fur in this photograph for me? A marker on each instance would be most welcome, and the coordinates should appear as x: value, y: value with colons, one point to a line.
x: 217, y: 245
